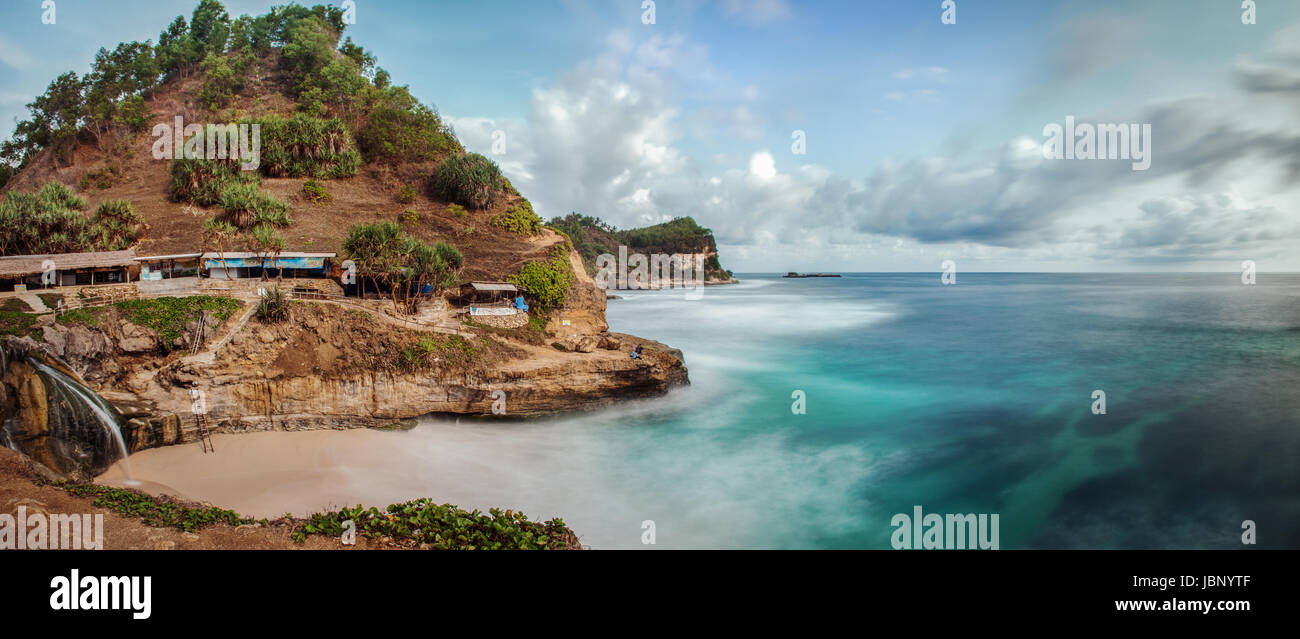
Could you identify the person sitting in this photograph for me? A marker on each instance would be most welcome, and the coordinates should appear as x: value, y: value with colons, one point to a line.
x: 636, y: 352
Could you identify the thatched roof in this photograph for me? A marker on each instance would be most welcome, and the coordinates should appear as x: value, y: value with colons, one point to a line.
x: 20, y: 265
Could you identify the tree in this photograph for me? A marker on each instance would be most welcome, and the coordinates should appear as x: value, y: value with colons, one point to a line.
x: 218, y: 232
x: 56, y: 118
x: 268, y: 244
x: 383, y: 252
x: 177, y: 51
x: 115, y: 87
x: 210, y: 26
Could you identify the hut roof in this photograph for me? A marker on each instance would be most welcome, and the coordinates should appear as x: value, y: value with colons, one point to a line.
x: 491, y: 286
x: 19, y: 265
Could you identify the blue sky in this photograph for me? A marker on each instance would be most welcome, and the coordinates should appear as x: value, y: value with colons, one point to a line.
x: 923, y: 138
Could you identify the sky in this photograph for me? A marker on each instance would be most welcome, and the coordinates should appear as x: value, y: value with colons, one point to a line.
x: 922, y: 141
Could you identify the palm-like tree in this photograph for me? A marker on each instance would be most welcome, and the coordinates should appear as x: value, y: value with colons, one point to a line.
x: 218, y: 232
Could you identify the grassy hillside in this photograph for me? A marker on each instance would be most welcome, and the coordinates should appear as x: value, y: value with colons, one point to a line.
x: 342, y: 146
x: 592, y: 237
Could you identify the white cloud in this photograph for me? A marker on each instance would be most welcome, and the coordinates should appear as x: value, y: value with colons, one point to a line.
x: 762, y: 166
x: 609, y: 140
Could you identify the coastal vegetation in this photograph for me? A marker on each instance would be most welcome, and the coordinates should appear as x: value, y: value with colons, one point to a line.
x: 414, y: 523
x: 158, y: 512
x: 386, y: 254
x: 314, y: 191
x: 244, y: 206
x: 592, y: 237
x: 274, y: 306
x: 546, y: 282
x: 52, y: 221
x: 306, y: 146
x: 519, y: 219
x: 166, y: 316
x: 470, y: 180
x: 444, y: 527
x: 16, y: 322
x: 203, y: 182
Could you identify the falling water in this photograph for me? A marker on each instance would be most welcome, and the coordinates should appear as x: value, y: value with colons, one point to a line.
x: 104, y: 413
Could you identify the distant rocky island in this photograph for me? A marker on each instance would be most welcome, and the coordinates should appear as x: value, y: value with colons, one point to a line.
x: 792, y: 274
x: 593, y: 237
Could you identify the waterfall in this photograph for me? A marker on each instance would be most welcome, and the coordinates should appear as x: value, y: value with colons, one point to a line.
x: 77, y: 395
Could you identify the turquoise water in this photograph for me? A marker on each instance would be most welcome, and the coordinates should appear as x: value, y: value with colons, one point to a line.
x: 969, y: 398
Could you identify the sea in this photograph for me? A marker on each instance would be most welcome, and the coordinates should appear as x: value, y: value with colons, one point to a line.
x: 1084, y: 410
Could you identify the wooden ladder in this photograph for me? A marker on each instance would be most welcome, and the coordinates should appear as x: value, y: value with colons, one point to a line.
x: 197, y: 341
x: 204, y: 433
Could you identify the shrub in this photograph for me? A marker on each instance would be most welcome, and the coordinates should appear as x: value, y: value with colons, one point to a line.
x: 51, y: 221
x: 168, y: 316
x: 547, y: 281
x: 410, y: 216
x: 220, y: 82
x: 519, y: 219
x: 116, y: 226
x: 306, y: 146
x: 315, y: 192
x: 456, y: 210
x: 245, y: 206
x: 444, y: 527
x: 469, y: 179
x: 274, y: 306
x: 400, y: 129
x: 202, y: 182
x: 101, y: 179
x: 406, y: 194
x: 157, y: 512
x: 119, y: 210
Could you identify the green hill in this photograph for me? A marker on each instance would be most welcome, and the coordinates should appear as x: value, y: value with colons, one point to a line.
x: 592, y: 237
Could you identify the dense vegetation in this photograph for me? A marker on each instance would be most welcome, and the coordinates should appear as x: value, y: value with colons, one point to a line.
x: 332, y: 82
x: 274, y: 306
x: 593, y: 237
x: 202, y: 182
x: 158, y: 512
x: 400, y: 129
x: 51, y: 221
x: 444, y: 527
x: 386, y: 255
x: 546, y: 282
x: 306, y: 146
x: 470, y: 180
x: 245, y: 206
x: 519, y: 219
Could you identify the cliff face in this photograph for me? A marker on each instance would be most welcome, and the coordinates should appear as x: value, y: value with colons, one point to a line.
x: 327, y: 366
x: 592, y: 237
